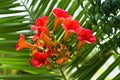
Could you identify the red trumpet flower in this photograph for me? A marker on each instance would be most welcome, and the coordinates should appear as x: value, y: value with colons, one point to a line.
x: 41, y: 25
x: 69, y: 26
x: 85, y: 36
x: 60, y: 15
x: 39, y: 59
x: 49, y: 49
x: 41, y: 31
x: 23, y: 44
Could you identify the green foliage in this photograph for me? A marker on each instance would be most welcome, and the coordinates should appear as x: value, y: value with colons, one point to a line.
x: 103, y: 18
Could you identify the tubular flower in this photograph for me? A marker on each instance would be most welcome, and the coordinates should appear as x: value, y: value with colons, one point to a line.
x: 48, y: 50
x: 41, y: 31
x: 42, y: 21
x: 47, y: 41
x: 85, y: 36
x: 60, y: 15
x: 69, y: 26
x: 23, y: 44
x: 40, y: 24
x: 39, y: 59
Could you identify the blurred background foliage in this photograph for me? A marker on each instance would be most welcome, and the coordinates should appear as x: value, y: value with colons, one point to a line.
x: 100, y: 16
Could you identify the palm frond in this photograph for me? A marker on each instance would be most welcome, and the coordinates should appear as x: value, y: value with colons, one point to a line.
x: 17, y: 16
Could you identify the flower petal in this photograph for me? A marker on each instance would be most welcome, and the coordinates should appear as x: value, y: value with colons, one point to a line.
x: 42, y: 21
x: 36, y: 37
x: 40, y: 55
x: 39, y: 59
x: 57, y: 12
x: 23, y: 44
x: 57, y: 22
x: 34, y: 27
x: 70, y: 25
x: 92, y: 39
x: 36, y: 63
x: 85, y: 35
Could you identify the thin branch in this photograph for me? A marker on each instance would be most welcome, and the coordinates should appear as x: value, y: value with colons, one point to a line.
x: 28, y: 11
x: 62, y: 73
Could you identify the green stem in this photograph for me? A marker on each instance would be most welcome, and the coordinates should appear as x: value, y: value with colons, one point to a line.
x: 62, y: 74
x: 28, y: 11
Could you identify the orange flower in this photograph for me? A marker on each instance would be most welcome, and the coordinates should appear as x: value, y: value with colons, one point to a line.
x: 41, y: 35
x: 60, y: 15
x: 23, y: 44
x: 37, y: 36
x: 47, y: 51
x: 69, y: 26
x: 42, y: 21
x: 41, y: 24
x: 84, y: 36
x: 48, y: 42
x: 39, y: 59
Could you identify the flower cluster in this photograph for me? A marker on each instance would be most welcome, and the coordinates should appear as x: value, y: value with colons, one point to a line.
x: 47, y: 51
